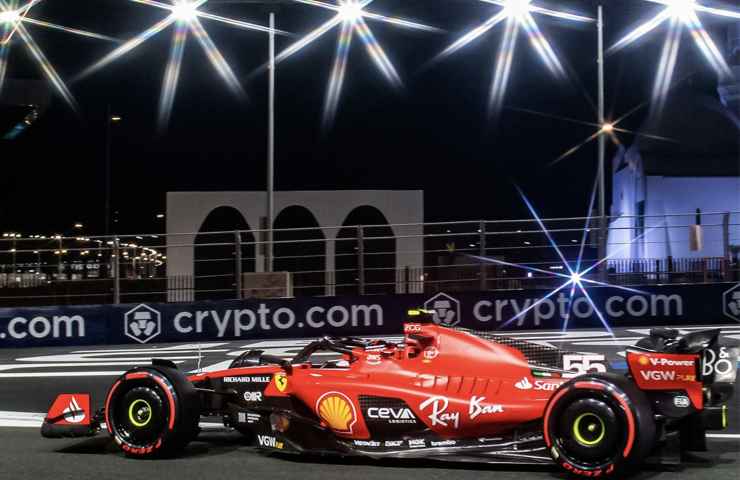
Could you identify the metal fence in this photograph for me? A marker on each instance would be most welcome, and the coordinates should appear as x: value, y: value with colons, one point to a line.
x: 367, y: 259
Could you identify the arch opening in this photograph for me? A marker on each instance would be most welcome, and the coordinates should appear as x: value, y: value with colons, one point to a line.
x: 215, y: 258
x: 300, y: 248
x: 379, y: 253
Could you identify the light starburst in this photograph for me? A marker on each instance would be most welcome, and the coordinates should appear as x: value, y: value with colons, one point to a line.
x: 185, y: 16
x: 575, y: 281
x: 517, y: 15
x: 13, y: 20
x: 350, y: 18
x: 679, y: 15
x: 610, y: 129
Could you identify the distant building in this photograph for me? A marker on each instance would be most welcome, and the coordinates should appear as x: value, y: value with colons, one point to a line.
x: 339, y: 234
x: 695, y: 171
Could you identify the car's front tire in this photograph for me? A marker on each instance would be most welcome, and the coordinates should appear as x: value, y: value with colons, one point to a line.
x: 598, y: 425
x: 152, y: 412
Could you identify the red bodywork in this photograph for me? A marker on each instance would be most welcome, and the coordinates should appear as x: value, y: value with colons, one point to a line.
x: 665, y: 371
x: 457, y: 384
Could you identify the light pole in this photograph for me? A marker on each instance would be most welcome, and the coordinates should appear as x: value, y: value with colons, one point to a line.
x: 602, y: 145
x: 271, y: 148
x: 270, y: 183
x: 110, y: 119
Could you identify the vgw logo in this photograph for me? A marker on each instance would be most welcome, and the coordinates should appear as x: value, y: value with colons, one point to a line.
x: 142, y: 323
x: 446, y: 309
x: 731, y: 303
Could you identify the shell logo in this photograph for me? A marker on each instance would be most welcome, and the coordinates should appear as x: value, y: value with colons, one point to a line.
x: 644, y: 360
x: 337, y: 410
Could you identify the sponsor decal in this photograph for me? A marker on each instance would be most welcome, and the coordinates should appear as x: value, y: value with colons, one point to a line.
x: 246, y: 379
x: 270, y: 442
x: 444, y: 443
x: 281, y: 382
x: 720, y: 364
x: 477, y: 408
x: 532, y: 437
x: 249, y: 418
x: 666, y: 376
x: 417, y: 443
x: 142, y: 323
x: 587, y: 473
x: 392, y: 415
x: 337, y: 411
x: 547, y: 386
x: 393, y: 443
x: 644, y: 361
x: 490, y: 439
x: 373, y: 359
x: 71, y: 408
x: 524, y: 384
x: 665, y: 362
x: 430, y: 353
x: 252, y: 396
x: 366, y: 443
x: 439, y: 414
x: 681, y: 401
x: 74, y: 413
x: 411, y: 328
x: 446, y: 309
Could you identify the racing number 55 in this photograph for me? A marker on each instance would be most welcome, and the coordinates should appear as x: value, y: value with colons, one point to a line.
x: 583, y: 364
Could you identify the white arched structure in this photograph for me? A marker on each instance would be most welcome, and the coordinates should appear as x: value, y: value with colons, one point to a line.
x: 404, y: 210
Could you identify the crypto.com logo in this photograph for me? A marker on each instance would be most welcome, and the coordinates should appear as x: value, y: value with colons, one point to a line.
x: 731, y: 303
x: 446, y: 309
x: 142, y: 323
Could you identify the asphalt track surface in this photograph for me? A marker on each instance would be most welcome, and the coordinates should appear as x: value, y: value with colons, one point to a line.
x: 31, y: 378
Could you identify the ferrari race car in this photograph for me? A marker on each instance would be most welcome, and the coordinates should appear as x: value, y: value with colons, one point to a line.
x: 444, y: 394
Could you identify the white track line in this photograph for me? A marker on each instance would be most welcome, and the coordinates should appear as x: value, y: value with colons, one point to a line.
x: 62, y: 374
x: 34, y: 420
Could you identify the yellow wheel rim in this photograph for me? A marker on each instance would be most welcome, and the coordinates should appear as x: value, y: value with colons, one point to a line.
x: 140, y: 413
x: 592, y: 423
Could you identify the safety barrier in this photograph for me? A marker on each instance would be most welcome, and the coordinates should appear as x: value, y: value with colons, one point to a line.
x: 367, y: 315
x: 366, y: 259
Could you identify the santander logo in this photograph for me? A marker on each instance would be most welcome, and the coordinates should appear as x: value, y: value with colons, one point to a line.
x: 74, y: 413
x: 524, y: 384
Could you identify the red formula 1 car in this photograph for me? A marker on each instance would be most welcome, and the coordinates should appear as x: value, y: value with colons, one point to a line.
x: 446, y: 394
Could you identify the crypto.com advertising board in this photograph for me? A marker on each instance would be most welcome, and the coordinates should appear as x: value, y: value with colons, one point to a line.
x: 369, y: 315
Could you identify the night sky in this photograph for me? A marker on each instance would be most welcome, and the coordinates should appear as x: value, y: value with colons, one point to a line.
x: 434, y: 135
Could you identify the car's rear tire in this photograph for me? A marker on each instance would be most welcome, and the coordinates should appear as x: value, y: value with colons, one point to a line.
x: 152, y: 411
x: 598, y: 425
